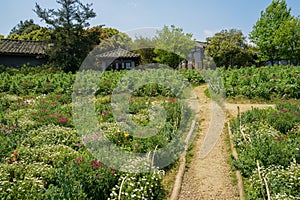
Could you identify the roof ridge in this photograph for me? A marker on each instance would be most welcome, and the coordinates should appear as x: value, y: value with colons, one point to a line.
x: 16, y: 40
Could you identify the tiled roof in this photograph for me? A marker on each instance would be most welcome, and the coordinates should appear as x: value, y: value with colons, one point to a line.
x: 21, y: 47
x: 118, y: 53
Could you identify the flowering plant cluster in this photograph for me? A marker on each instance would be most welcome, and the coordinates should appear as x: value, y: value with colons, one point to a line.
x: 269, y: 154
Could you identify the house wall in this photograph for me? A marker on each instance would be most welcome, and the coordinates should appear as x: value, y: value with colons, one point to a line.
x: 19, y: 61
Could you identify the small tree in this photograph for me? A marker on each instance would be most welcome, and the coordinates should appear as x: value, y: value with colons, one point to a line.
x: 172, y: 46
x: 71, y: 43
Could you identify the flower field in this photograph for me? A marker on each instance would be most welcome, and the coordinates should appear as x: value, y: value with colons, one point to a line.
x: 268, y: 144
x: 43, y: 155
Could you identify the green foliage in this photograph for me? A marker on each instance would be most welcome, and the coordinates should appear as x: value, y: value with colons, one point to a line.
x: 43, y: 157
x: 145, y: 48
x: 41, y: 34
x: 270, y: 139
x: 71, y: 43
x: 36, y: 82
x: 289, y: 40
x: 277, y: 82
x: 172, y: 46
x: 23, y: 28
x: 267, y: 30
x: 229, y: 48
x: 139, y: 186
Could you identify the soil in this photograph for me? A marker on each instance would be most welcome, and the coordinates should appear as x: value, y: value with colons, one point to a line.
x: 210, y: 177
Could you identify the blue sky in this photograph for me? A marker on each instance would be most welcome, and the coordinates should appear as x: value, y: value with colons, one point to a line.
x: 199, y: 17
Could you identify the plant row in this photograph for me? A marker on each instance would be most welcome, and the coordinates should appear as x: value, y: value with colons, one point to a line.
x: 268, y: 141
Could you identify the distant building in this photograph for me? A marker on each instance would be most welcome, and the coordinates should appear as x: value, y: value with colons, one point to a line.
x: 118, y: 59
x: 196, y: 57
x: 16, y: 53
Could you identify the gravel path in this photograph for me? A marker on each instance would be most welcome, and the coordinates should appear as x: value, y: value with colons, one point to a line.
x: 210, y: 177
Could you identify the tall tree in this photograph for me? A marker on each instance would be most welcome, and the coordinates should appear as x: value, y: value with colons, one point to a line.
x: 25, y: 27
x: 71, y: 43
x: 289, y: 40
x: 229, y: 48
x: 172, y: 46
x: 1, y: 37
x: 264, y: 33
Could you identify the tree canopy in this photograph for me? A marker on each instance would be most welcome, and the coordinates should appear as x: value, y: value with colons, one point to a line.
x: 172, y: 45
x: 265, y: 33
x: 71, y: 43
x: 229, y: 48
x: 23, y: 28
x: 41, y: 34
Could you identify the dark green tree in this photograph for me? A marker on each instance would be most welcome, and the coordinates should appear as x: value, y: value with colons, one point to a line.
x: 229, y: 48
x: 172, y: 46
x: 265, y: 31
x: 71, y: 43
x: 145, y: 48
x: 24, y: 27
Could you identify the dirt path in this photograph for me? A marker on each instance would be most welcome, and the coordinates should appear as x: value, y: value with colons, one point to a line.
x: 210, y: 177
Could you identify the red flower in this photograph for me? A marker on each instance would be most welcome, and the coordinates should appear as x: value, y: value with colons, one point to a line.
x: 63, y: 120
x: 286, y: 136
x: 96, y: 164
x: 280, y: 138
x: 113, y: 171
x: 16, y: 153
x: 284, y: 111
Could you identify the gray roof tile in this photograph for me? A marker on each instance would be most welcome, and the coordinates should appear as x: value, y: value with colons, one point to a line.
x: 118, y: 53
x: 21, y: 47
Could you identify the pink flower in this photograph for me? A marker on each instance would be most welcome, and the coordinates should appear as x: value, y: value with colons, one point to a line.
x: 63, y: 120
x: 105, y: 112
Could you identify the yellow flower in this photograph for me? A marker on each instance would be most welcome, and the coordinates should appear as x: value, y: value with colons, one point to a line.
x: 126, y: 135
